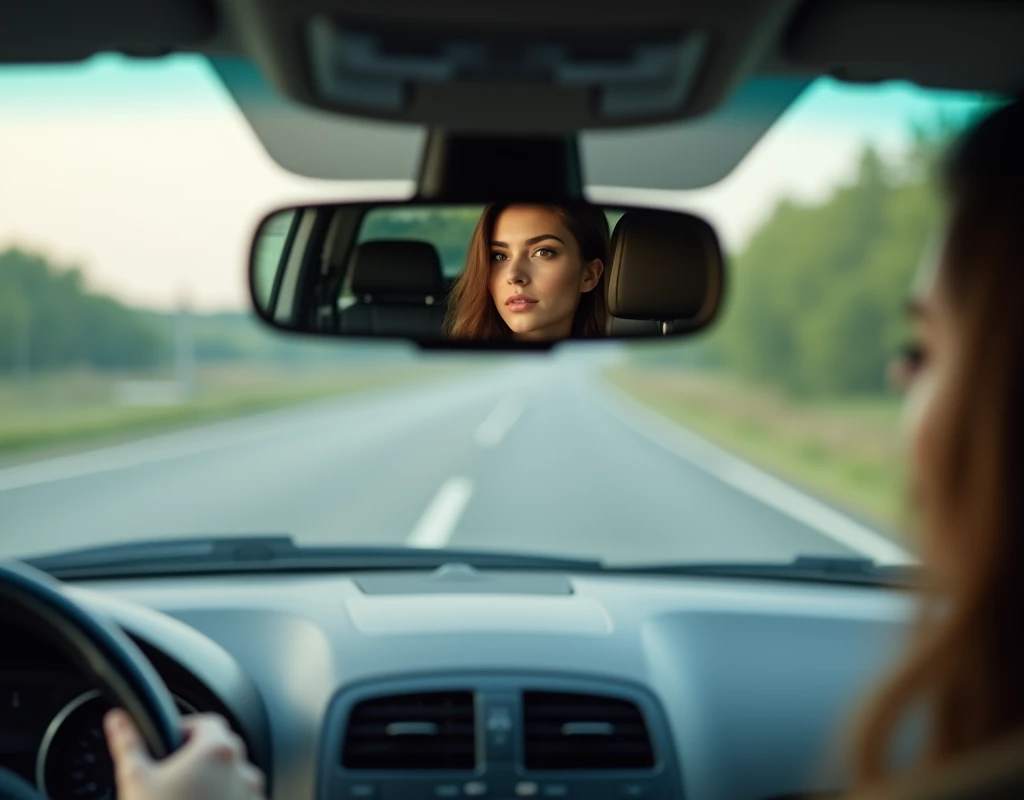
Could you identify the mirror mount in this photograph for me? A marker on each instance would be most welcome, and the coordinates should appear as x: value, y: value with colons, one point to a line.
x: 467, y: 168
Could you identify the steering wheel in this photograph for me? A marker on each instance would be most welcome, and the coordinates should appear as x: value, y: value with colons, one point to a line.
x: 103, y: 652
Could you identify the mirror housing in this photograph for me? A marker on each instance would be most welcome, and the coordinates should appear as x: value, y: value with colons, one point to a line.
x: 386, y: 270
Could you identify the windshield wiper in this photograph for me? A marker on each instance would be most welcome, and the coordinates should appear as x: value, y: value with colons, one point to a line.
x: 239, y: 554
x: 247, y: 554
x: 817, y: 569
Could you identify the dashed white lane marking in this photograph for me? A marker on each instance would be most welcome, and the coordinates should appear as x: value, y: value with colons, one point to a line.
x: 438, y: 522
x: 498, y: 423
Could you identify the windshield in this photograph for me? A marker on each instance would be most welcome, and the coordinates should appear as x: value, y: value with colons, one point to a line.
x: 139, y: 399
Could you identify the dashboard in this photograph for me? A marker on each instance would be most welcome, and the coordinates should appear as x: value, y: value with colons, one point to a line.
x: 463, y: 684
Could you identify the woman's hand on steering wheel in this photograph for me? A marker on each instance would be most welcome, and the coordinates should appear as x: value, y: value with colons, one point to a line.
x: 211, y: 765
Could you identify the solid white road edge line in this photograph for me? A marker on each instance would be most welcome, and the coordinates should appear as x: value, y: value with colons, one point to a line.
x: 438, y: 522
x: 498, y: 423
x: 749, y: 479
x: 113, y: 458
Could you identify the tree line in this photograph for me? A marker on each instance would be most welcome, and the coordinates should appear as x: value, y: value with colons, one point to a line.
x: 816, y: 301
x: 50, y: 320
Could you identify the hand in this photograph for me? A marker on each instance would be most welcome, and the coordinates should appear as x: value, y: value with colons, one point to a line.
x: 211, y: 765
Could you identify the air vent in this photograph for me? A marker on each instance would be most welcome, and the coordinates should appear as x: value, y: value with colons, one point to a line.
x: 583, y: 731
x: 412, y: 731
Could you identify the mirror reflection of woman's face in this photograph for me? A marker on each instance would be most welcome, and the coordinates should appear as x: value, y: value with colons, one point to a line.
x: 537, y: 273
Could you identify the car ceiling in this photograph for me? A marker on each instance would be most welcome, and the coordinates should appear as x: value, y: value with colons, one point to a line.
x: 763, y: 53
x: 968, y: 44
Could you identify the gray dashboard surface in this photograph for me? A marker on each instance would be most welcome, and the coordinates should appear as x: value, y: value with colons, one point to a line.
x: 756, y: 678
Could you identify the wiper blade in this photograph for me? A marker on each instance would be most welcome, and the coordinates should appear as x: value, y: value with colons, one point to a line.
x: 276, y: 553
x: 239, y: 554
x: 830, y: 569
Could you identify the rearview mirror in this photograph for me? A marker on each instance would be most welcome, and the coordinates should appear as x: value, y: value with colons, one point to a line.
x: 458, y: 275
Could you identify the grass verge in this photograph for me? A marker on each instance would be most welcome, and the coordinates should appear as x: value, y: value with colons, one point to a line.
x: 844, y: 451
x: 76, y: 408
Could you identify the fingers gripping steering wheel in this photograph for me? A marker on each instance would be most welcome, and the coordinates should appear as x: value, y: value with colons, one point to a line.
x: 103, y: 652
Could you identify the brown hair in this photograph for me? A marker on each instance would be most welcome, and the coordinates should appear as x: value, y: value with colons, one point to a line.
x: 471, y: 311
x: 965, y: 669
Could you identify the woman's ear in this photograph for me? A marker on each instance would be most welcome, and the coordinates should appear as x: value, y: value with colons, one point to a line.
x: 592, y: 273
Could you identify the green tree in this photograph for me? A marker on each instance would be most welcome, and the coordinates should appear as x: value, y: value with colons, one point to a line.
x: 49, y: 319
x: 819, y: 290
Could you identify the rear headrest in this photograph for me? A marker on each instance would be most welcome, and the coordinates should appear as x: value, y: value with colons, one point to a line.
x: 666, y: 266
x: 397, y: 267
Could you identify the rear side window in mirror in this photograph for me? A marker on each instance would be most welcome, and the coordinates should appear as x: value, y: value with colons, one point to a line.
x: 447, y: 228
x: 270, y: 253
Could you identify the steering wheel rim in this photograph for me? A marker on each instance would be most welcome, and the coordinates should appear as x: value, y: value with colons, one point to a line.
x: 103, y: 651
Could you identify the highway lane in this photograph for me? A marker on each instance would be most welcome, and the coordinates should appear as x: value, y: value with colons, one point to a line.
x: 532, y: 455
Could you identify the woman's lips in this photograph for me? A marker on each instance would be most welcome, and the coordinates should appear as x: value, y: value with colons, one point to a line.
x: 520, y: 302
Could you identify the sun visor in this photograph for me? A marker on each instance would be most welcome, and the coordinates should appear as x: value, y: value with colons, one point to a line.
x: 693, y: 153
x: 320, y: 144
x: 680, y: 155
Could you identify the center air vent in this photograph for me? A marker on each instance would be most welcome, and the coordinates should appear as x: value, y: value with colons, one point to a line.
x: 412, y: 731
x: 583, y: 731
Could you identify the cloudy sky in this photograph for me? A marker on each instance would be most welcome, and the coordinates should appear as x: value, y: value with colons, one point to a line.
x: 149, y: 178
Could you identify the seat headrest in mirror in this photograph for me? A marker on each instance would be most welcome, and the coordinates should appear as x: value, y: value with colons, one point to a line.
x: 666, y: 266
x: 397, y: 267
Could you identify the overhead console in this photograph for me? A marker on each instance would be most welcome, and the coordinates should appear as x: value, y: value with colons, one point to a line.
x: 496, y: 736
x: 515, y: 68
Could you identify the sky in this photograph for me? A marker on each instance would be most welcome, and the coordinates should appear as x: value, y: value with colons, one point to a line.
x: 148, y: 178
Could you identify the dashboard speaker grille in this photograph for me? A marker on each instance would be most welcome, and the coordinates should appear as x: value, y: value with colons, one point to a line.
x: 565, y: 731
x: 432, y: 730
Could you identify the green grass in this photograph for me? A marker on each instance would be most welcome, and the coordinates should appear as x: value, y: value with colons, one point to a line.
x: 846, y: 451
x: 76, y: 408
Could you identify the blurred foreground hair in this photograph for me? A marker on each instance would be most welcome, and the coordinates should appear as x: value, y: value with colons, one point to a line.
x: 965, y: 669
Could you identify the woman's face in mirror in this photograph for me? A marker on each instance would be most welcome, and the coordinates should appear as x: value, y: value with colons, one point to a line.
x: 537, y: 274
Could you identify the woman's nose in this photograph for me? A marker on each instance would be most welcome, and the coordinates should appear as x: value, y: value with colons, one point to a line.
x: 516, y: 275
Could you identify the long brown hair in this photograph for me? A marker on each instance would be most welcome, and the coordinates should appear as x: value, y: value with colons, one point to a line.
x: 965, y: 669
x: 471, y: 311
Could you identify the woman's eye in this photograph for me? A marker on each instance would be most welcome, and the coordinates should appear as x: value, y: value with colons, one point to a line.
x: 913, y: 356
x: 545, y: 252
x: 908, y: 363
x: 498, y: 257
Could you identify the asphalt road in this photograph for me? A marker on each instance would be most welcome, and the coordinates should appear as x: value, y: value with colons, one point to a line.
x: 531, y: 456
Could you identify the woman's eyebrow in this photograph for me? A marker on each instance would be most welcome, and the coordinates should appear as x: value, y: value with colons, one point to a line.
x: 534, y: 240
